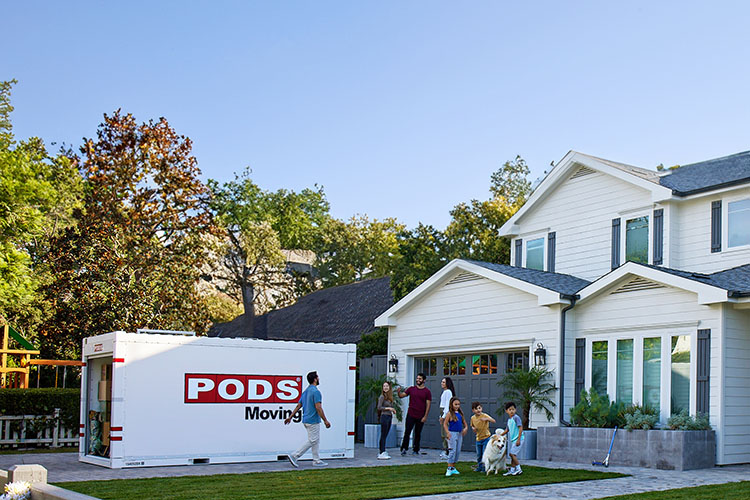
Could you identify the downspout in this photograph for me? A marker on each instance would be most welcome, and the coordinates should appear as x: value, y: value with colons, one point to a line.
x: 567, y: 308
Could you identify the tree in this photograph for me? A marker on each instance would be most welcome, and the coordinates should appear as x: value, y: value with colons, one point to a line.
x: 134, y: 259
x: 531, y: 388
x: 355, y: 250
x: 257, y: 226
x: 420, y: 253
x: 38, y: 193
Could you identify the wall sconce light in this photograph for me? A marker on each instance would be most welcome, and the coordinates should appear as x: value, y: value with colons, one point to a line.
x: 393, y: 364
x: 540, y: 355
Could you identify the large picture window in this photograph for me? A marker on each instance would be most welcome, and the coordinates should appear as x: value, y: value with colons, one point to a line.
x: 652, y: 372
x: 599, y: 357
x: 625, y: 371
x: 535, y: 254
x: 680, y: 368
x: 636, y: 239
x: 738, y: 223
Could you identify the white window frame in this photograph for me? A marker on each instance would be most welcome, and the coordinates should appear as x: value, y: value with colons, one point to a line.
x: 725, y: 223
x: 624, y: 218
x: 665, y: 406
x: 543, y: 235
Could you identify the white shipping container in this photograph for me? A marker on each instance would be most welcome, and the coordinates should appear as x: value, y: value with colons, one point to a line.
x: 152, y: 400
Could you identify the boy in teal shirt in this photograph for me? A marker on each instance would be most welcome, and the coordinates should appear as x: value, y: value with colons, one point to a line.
x: 514, y: 430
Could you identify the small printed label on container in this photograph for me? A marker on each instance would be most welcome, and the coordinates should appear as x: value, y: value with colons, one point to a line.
x: 141, y: 462
x: 98, y: 347
x: 334, y: 455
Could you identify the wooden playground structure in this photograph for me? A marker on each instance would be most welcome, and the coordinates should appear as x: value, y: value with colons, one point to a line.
x: 16, y: 374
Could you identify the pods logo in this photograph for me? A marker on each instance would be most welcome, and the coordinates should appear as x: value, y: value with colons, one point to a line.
x: 220, y: 388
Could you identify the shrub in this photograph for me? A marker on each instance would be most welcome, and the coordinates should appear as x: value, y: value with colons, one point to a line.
x: 684, y: 422
x: 370, y: 389
x: 639, y: 418
x: 43, y: 402
x: 596, y: 410
x: 531, y: 389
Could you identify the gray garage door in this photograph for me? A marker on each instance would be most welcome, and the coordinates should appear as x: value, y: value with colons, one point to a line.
x: 475, y: 377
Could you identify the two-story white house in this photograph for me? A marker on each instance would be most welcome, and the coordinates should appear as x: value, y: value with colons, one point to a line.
x: 634, y: 282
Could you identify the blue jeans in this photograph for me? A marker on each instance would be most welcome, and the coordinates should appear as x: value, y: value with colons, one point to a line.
x: 481, y: 445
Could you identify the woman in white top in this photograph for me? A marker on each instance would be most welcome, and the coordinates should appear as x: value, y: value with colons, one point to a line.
x: 445, y: 398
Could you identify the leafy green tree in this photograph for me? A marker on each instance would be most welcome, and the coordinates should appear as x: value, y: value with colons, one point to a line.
x: 38, y: 193
x: 373, y: 344
x: 355, y: 250
x: 257, y: 226
x: 134, y: 259
x: 421, y: 252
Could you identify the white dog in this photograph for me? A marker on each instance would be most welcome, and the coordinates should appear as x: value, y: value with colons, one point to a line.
x: 494, y: 454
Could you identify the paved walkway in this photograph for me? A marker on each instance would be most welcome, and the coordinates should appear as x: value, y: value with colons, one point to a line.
x: 63, y: 467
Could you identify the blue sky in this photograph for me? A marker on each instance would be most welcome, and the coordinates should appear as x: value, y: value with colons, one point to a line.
x: 398, y: 108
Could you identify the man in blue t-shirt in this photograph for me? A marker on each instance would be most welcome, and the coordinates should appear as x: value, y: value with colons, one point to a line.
x: 312, y: 413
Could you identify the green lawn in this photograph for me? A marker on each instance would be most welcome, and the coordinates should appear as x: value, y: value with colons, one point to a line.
x: 359, y: 483
x: 729, y: 491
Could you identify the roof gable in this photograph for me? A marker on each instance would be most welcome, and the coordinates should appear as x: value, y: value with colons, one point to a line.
x: 549, y: 288
x: 569, y: 166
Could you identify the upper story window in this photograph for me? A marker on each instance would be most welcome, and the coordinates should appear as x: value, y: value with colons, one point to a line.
x: 738, y: 223
x: 636, y: 239
x: 535, y: 254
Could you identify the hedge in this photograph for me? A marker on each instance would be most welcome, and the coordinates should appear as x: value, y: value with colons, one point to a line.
x: 43, y: 402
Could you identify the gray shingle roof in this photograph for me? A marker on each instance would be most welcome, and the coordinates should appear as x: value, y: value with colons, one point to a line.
x: 340, y: 314
x: 735, y: 280
x: 562, y: 283
x: 710, y: 174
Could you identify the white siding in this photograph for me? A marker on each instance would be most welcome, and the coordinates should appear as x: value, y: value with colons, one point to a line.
x: 736, y: 386
x: 660, y: 312
x: 692, y: 241
x: 473, y: 316
x: 580, y: 211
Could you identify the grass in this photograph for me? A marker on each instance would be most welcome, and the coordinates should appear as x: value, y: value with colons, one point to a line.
x: 16, y: 451
x: 361, y: 483
x: 728, y: 491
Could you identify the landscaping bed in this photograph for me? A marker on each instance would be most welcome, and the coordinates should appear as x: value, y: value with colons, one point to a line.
x: 355, y: 483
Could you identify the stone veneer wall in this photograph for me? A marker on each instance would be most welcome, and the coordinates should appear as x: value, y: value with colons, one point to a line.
x: 659, y: 449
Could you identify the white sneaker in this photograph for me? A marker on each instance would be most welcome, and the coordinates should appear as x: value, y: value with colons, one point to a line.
x: 319, y: 463
x: 384, y: 456
x: 518, y: 471
x: 292, y: 461
x: 510, y: 472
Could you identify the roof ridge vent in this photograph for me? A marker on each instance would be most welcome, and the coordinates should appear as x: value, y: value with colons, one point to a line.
x: 583, y: 170
x: 638, y: 283
x: 463, y: 278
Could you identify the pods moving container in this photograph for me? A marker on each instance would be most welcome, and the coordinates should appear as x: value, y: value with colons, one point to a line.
x: 155, y: 399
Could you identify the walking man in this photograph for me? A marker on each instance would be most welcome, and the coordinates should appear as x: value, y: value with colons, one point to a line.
x: 419, y: 406
x: 312, y: 414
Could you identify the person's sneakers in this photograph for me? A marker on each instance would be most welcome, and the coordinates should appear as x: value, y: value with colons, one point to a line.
x: 448, y: 472
x: 510, y: 472
x: 292, y: 460
x: 455, y: 472
x: 319, y: 463
x: 384, y: 456
x: 518, y: 471
x: 415, y: 453
x: 403, y: 453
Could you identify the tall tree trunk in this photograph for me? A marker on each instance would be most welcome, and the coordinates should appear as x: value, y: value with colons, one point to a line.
x: 248, y: 294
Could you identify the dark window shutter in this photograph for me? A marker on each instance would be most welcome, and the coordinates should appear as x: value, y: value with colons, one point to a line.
x: 703, y: 365
x: 580, y: 377
x: 715, y: 226
x: 519, y: 252
x: 658, y: 237
x: 615, y: 243
x: 551, y: 252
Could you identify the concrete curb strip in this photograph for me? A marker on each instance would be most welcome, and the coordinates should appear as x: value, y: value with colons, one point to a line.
x: 40, y: 490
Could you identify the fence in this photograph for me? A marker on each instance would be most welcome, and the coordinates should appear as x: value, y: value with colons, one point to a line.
x: 369, y: 367
x: 19, y: 431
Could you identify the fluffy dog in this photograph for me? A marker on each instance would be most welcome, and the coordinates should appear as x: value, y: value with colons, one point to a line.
x: 494, y: 454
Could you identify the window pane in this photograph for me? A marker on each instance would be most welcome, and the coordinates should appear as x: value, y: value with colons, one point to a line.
x: 535, y: 254
x: 446, y: 366
x: 493, y: 363
x: 652, y: 372
x: 680, y: 373
x: 476, y: 364
x: 625, y: 371
x: 636, y: 240
x: 599, y: 366
x: 454, y: 365
x: 461, y: 365
x: 738, y: 223
x: 485, y: 361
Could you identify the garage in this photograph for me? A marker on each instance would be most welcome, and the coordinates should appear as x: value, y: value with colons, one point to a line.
x: 475, y: 378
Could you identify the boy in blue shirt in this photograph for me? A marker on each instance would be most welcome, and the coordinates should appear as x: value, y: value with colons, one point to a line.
x: 312, y: 414
x: 514, y: 430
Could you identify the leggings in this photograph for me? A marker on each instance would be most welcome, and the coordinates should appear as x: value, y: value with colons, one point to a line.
x: 385, y: 427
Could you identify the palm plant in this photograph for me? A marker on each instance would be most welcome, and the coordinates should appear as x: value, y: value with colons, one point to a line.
x: 530, y: 388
